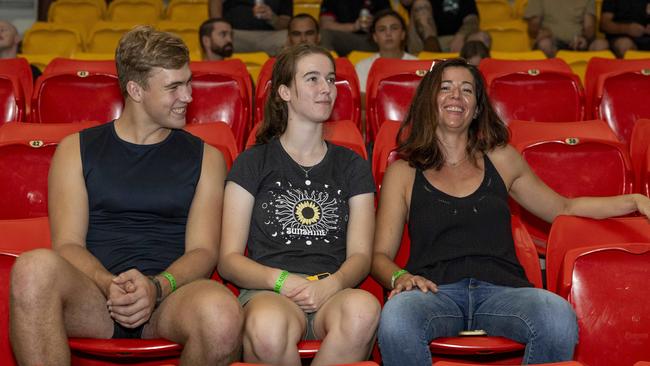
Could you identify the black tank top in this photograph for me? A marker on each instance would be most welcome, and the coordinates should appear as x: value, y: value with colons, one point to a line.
x: 139, y: 197
x: 470, y: 237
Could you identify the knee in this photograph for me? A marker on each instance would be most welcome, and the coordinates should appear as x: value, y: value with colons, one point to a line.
x: 360, y: 316
x: 396, y: 319
x: 599, y: 45
x: 621, y: 45
x: 217, y: 317
x: 546, y: 45
x: 269, y: 331
x: 34, y: 274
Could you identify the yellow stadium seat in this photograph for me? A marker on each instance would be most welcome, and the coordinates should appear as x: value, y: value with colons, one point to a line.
x: 635, y: 54
x: 53, y: 38
x: 425, y: 55
x: 519, y: 8
x: 189, y: 32
x: 401, y: 10
x: 189, y: 11
x: 253, y: 61
x: 85, y: 12
x: 104, y: 36
x: 135, y: 11
x: 39, y: 60
x: 524, y: 55
x: 356, y: 56
x: 599, y: 5
x: 89, y: 56
x: 494, y: 11
x: 312, y: 9
x: 578, y: 60
x: 509, y: 36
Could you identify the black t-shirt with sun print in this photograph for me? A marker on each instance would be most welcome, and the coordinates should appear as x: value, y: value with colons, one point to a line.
x: 300, y: 217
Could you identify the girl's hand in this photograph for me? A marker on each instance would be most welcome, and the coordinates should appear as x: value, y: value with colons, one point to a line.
x: 408, y: 282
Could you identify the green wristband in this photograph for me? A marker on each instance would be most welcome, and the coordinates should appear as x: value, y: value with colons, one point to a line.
x: 280, y: 281
x: 397, y: 274
x: 171, y: 279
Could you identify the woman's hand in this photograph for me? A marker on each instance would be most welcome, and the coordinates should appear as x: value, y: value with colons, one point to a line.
x: 310, y: 296
x: 643, y: 205
x: 408, y: 282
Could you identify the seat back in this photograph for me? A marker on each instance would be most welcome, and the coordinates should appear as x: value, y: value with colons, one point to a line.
x: 221, y: 91
x: 19, y: 68
x: 220, y: 136
x: 608, y: 290
x: 535, y: 90
x: 519, y: 55
x: 574, y: 159
x: 639, y: 146
x: 383, y: 151
x: 85, y: 12
x: 69, y: 91
x: 12, y: 104
x: 511, y: 36
x: 187, y: 31
x: 136, y: 11
x: 104, y: 36
x: 6, y: 355
x: 53, y: 38
x: 190, y: 11
x: 253, y: 61
x: 25, y: 153
x: 494, y: 11
x: 621, y: 98
x: 390, y: 89
x: 22, y: 235
x: 578, y: 60
x: 636, y: 54
x: 569, y: 232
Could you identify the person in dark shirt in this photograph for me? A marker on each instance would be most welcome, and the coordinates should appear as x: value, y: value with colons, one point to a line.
x: 135, y: 212
x: 346, y: 24
x: 9, y: 44
x: 452, y: 189
x: 303, y: 208
x: 626, y: 25
x: 260, y: 25
x: 215, y: 37
x: 441, y: 25
x: 303, y: 28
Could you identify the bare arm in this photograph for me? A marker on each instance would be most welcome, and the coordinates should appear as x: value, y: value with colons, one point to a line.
x: 535, y: 196
x: 608, y: 25
x: 329, y: 22
x: 215, y: 8
x: 535, y: 27
x: 589, y: 27
x: 68, y: 212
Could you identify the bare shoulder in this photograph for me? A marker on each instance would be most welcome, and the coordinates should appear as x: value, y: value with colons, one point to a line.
x: 508, y: 162
x: 213, y: 160
x: 399, y: 172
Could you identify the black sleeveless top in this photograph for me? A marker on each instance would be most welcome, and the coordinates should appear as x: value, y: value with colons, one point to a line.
x: 470, y: 237
x: 139, y: 197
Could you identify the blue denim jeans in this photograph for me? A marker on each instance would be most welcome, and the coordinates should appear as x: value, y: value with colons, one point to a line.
x: 545, y: 322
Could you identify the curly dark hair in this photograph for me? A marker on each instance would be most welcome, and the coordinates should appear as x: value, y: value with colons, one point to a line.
x: 417, y: 141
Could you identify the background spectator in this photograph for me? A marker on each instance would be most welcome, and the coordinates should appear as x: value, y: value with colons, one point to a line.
x: 303, y: 28
x: 571, y: 26
x: 215, y: 36
x: 346, y: 24
x: 440, y: 25
x: 474, y: 51
x: 260, y: 25
x: 626, y: 25
x: 389, y: 33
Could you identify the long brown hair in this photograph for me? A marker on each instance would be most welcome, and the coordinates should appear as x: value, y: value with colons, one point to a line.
x: 417, y: 141
x: 276, y: 111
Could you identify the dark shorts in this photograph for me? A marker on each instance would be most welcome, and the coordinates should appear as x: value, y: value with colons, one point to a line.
x: 120, y: 331
x: 246, y: 295
x: 642, y: 43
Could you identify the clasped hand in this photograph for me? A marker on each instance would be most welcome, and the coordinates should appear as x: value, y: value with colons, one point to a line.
x: 309, y: 295
x: 131, y: 298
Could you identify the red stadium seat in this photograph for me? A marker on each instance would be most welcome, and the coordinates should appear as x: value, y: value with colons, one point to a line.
x: 18, y: 71
x: 22, y: 235
x: 362, y: 363
x: 348, y: 100
x: 607, y: 287
x: 639, y: 143
x: 383, y: 152
x: 598, y: 66
x: 533, y: 90
x: 453, y: 363
x: 621, y: 99
x: 574, y: 159
x: 390, y: 89
x: 6, y: 355
x: 12, y: 104
x: 222, y: 91
x: 25, y: 153
x: 570, y: 232
x: 343, y: 133
x: 77, y: 90
x: 645, y: 175
x: 220, y: 136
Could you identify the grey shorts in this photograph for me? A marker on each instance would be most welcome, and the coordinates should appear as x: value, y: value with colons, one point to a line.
x: 245, y: 295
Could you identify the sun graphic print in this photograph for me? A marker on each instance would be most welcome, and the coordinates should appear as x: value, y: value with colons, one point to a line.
x: 308, y: 215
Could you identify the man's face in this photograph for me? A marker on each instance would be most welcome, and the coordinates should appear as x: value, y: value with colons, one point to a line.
x: 303, y: 30
x: 166, y: 96
x: 8, y: 36
x: 221, y: 39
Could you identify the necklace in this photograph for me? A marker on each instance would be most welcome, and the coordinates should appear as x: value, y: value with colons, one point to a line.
x: 456, y: 163
x: 306, y: 171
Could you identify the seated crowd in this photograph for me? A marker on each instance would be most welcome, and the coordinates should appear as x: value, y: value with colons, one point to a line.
x: 142, y: 212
